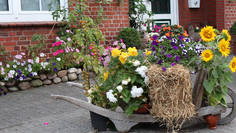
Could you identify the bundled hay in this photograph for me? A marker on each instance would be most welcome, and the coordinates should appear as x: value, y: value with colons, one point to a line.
x: 171, y: 95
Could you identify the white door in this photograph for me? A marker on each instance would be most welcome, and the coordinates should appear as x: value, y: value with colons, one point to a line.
x: 165, y: 11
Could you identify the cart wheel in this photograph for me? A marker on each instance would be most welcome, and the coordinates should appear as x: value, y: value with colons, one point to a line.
x: 230, y: 113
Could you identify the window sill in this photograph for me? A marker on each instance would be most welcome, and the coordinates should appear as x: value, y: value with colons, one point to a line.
x: 25, y: 24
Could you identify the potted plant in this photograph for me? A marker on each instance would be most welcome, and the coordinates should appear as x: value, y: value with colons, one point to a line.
x: 213, y: 58
x: 232, y: 31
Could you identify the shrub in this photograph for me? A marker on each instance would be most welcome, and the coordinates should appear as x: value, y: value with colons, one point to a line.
x: 232, y: 29
x: 130, y: 37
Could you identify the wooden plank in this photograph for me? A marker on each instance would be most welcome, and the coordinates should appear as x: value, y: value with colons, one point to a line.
x: 195, y: 87
x: 211, y: 110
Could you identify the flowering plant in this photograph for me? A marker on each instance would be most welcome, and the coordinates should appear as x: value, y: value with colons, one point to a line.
x: 172, y: 47
x: 197, y: 29
x: 123, y: 82
x: 214, y: 59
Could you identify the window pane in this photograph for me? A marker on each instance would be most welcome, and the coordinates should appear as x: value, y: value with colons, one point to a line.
x: 156, y: 6
x: 30, y: 5
x: 4, y: 5
x: 165, y: 6
x: 46, y: 2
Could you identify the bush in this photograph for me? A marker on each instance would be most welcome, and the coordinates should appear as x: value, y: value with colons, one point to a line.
x: 130, y: 37
x: 232, y: 29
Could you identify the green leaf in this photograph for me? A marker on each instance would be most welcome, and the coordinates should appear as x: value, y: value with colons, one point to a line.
x: 208, y: 85
x: 133, y: 104
x: 192, y: 60
x: 126, y: 95
x: 223, y: 102
x: 133, y: 78
x: 217, y: 96
x: 224, y: 89
x: 212, y: 101
x: 214, y: 73
x: 229, y: 77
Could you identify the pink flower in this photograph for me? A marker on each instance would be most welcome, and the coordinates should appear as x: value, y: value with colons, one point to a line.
x: 117, y: 47
x: 200, y: 39
x: 144, y: 25
x: 45, y: 123
x: 68, y: 39
x: 77, y: 50
x: 58, y: 52
x: 55, y: 53
x: 121, y: 40
x: 90, y: 47
x: 101, y: 45
x: 10, y: 75
x: 67, y: 50
x: 23, y: 53
x: 53, y: 44
x: 2, y: 71
x: 57, y: 38
x: 80, y: 60
x: 59, y: 43
x: 8, y: 65
x: 0, y: 63
x: 30, y: 61
x: 61, y: 51
x: 71, y: 49
x: 115, y: 43
x: 92, y: 53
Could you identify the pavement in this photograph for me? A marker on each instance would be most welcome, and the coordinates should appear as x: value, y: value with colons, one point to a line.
x: 33, y: 111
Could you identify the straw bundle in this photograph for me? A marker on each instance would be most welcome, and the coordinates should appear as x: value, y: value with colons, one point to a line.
x: 171, y: 95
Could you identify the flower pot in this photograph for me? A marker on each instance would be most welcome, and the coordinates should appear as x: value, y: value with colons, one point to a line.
x: 212, y: 120
x: 144, y: 109
x: 99, y: 122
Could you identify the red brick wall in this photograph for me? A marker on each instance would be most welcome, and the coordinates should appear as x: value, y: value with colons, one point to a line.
x: 230, y: 13
x: 15, y: 36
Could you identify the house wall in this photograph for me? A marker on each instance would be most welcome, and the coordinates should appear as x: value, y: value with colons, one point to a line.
x: 230, y: 13
x: 15, y: 36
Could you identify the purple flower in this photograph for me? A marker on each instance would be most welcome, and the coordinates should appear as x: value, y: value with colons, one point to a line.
x: 47, y: 60
x: 154, y: 43
x: 181, y: 45
x: 169, y: 55
x: 169, y: 38
x: 4, y: 93
x: 187, y: 40
x: 173, y: 64
x: 55, y: 69
x: 174, y: 40
x: 154, y: 37
x: 180, y: 37
x: 54, y: 63
x: 162, y: 47
x: 31, y: 75
x: 172, y: 43
x: 164, y: 69
x: 177, y: 58
x: 159, y: 62
x: 2, y: 90
x: 153, y: 49
x: 184, y: 51
x: 175, y: 47
x: 0, y: 94
x: 18, y: 71
x: 186, y: 56
x: 24, y: 77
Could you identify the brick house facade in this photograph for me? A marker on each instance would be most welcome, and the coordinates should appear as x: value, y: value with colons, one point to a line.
x: 14, y: 36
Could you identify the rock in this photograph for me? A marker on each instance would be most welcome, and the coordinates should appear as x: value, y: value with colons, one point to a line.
x: 79, y: 71
x: 72, y: 70
x: 64, y: 79
x: 36, y: 77
x: 13, y: 89
x: 43, y: 76
x: 72, y: 76
x: 24, y: 85
x: 62, y: 73
x: 10, y: 84
x: 80, y: 76
x: 57, y: 80
x: 51, y: 76
x: 2, y: 84
x: 26, y: 80
x: 36, y: 83
x: 3, y: 89
x: 47, y: 82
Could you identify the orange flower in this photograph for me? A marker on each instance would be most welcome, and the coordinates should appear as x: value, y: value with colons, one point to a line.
x: 163, y: 25
x: 156, y: 40
x: 172, y: 34
x: 168, y: 34
x: 179, y: 26
x: 164, y: 29
x: 151, y: 38
x: 169, y: 28
x: 178, y: 34
x: 185, y: 34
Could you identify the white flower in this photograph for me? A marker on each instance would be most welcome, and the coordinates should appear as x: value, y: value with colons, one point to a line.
x: 68, y: 39
x: 89, y: 99
x: 58, y: 38
x: 34, y: 73
x: 146, y: 80
x: 142, y: 71
x: 129, y: 79
x: 12, y: 71
x: 90, y: 91
x: 119, y: 88
x: 18, y: 63
x: 26, y: 68
x: 14, y: 60
x: 37, y: 60
x: 22, y: 64
x: 29, y: 65
x: 190, y: 48
x: 30, y: 69
x: 136, y: 92
x: 184, y: 51
x: 125, y: 82
x: 8, y: 65
x: 111, y: 97
x: 23, y: 53
x: 0, y: 63
x: 59, y: 59
x: 42, y: 54
x: 6, y: 78
x: 136, y: 63
x: 14, y: 66
x: 21, y: 78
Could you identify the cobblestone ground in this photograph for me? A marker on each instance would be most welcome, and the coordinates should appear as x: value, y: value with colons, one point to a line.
x: 28, y: 111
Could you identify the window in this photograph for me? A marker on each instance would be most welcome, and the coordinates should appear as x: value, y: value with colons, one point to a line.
x: 27, y: 10
x: 161, y: 6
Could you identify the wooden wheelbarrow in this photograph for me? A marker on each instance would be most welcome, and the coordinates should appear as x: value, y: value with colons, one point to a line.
x: 123, y: 123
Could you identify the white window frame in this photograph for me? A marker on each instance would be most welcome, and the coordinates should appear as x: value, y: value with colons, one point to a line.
x: 16, y: 15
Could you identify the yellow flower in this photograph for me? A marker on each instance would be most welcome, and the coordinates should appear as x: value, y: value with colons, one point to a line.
x: 147, y: 52
x: 115, y: 52
x: 123, y: 57
x: 207, y: 34
x: 133, y: 51
x: 232, y: 65
x: 227, y: 34
x: 224, y: 47
x: 207, y: 55
x: 106, y: 75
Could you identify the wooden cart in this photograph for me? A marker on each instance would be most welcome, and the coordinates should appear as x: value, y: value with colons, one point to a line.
x: 124, y: 123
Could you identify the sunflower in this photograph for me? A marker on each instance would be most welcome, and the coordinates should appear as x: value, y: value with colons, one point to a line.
x: 224, y: 47
x: 207, y: 34
x: 226, y: 35
x: 207, y: 55
x: 232, y: 65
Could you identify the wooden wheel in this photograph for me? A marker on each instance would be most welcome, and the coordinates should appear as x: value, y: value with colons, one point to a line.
x: 230, y: 114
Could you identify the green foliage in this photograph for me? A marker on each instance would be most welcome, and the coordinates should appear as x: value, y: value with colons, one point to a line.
x: 232, y: 29
x: 34, y: 50
x: 130, y: 37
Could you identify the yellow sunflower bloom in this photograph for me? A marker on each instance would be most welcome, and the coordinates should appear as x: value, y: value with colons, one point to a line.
x: 123, y: 57
x: 207, y: 34
x: 133, y: 51
x: 207, y: 55
x: 115, y: 52
x: 106, y: 75
x: 147, y: 52
x: 224, y: 47
x: 232, y: 65
x: 224, y: 31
